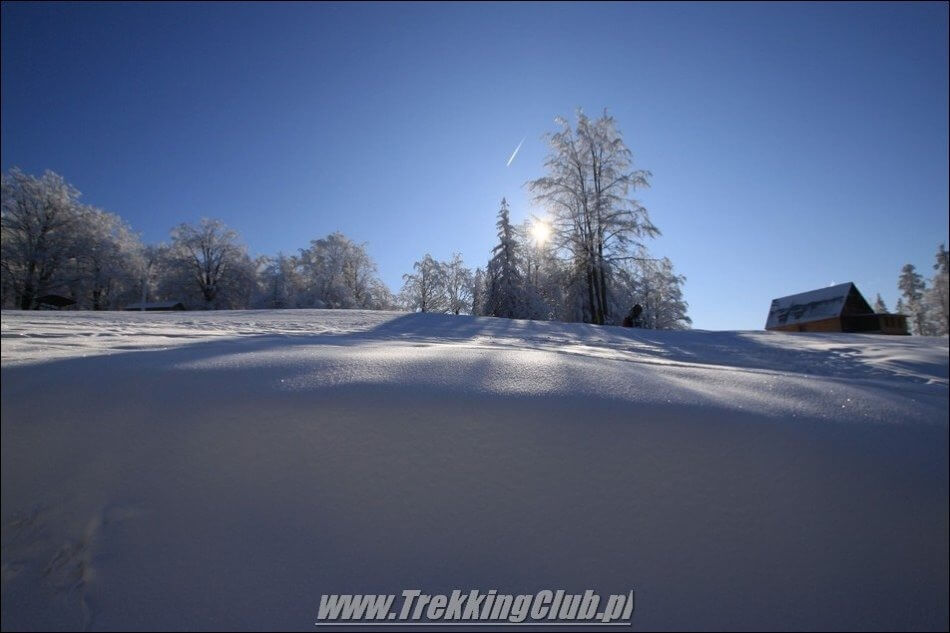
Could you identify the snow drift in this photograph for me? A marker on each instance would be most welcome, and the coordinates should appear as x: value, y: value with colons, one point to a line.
x: 223, y: 470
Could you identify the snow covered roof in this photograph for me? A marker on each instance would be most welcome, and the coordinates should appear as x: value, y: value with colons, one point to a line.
x: 813, y: 305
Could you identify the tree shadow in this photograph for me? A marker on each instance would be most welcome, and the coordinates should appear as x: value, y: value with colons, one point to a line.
x: 830, y: 356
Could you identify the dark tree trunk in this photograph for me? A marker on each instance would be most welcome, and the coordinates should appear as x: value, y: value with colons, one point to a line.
x: 26, y: 299
x: 590, y: 294
x: 29, y: 291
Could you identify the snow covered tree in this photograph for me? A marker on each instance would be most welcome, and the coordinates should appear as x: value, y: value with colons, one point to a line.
x: 458, y: 284
x: 105, y: 260
x: 359, y: 275
x: 937, y: 298
x: 912, y: 287
x: 879, y: 306
x: 322, y: 267
x: 39, y: 218
x: 478, y: 292
x: 339, y: 273
x: 542, y: 273
x: 425, y: 289
x: 505, y: 289
x: 148, y: 265
x: 668, y: 306
x: 899, y: 307
x: 239, y: 287
x: 652, y: 284
x: 587, y: 192
x: 280, y: 283
x: 211, y: 256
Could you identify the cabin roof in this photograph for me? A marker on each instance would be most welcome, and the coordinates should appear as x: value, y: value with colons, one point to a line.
x: 814, y: 305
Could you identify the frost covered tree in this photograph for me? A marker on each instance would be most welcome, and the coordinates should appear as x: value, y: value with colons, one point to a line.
x: 148, y: 266
x: 505, y: 287
x: 339, y: 273
x: 542, y: 274
x: 899, y: 307
x: 937, y: 298
x: 478, y: 292
x: 458, y: 284
x: 280, y: 282
x: 425, y: 288
x: 238, y: 288
x: 211, y: 257
x: 53, y: 244
x: 587, y: 191
x: 666, y: 302
x: 39, y: 219
x: 879, y: 306
x: 105, y: 260
x: 658, y: 290
x: 912, y: 287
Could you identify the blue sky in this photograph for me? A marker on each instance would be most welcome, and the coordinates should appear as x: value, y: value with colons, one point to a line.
x: 792, y: 145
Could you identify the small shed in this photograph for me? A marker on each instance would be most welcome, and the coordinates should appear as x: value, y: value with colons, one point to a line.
x: 839, y: 308
x: 54, y: 302
x: 155, y: 306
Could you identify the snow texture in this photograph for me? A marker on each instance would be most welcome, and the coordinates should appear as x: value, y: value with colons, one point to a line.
x: 208, y: 470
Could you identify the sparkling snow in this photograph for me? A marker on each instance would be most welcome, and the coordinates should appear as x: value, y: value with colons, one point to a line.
x: 201, y: 470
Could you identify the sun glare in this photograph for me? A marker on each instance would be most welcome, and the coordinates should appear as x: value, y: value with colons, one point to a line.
x: 540, y: 231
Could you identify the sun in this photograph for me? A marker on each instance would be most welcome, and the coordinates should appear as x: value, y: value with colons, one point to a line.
x: 540, y: 232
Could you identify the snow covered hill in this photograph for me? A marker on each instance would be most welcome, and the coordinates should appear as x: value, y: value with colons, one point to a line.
x: 204, y: 470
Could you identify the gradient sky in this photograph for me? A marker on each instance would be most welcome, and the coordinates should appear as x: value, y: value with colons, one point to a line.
x: 792, y: 145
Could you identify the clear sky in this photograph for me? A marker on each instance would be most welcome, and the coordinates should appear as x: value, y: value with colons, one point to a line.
x: 792, y: 145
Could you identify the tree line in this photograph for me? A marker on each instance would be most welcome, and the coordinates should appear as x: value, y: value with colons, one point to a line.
x: 524, y: 278
x: 585, y: 261
x: 54, y: 244
x: 926, y: 305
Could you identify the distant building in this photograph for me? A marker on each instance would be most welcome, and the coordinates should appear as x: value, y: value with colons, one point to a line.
x: 54, y: 302
x: 156, y: 306
x: 838, y: 308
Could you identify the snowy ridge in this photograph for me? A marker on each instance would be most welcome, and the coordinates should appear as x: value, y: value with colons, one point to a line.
x: 203, y: 470
x: 37, y: 336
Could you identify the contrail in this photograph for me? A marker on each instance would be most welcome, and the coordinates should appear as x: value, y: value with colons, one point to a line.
x: 515, y: 153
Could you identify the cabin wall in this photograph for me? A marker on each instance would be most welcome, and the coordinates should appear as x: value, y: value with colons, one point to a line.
x: 865, y: 323
x: 825, y: 325
x: 893, y: 324
x: 876, y: 324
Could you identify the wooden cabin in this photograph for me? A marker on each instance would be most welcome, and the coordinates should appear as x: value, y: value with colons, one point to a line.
x: 54, y: 302
x: 839, y: 308
x: 155, y: 306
